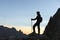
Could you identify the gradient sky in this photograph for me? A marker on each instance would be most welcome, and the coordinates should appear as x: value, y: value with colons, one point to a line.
x: 20, y: 12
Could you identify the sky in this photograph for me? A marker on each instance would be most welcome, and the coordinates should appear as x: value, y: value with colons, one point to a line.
x: 19, y: 12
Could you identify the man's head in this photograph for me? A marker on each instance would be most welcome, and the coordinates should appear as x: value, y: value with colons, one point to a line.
x: 38, y: 13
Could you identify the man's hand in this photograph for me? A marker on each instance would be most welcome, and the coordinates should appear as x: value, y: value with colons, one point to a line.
x: 31, y: 18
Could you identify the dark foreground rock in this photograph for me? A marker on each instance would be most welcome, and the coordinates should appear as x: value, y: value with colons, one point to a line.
x: 52, y: 30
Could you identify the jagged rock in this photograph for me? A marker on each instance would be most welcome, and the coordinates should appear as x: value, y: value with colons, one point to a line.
x: 10, y: 33
x: 52, y: 30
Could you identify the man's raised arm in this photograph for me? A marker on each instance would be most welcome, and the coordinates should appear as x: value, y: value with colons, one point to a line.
x: 34, y: 18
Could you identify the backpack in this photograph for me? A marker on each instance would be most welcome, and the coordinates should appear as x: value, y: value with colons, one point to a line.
x: 41, y: 19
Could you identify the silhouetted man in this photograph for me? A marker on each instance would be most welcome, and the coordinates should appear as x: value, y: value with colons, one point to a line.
x: 39, y: 20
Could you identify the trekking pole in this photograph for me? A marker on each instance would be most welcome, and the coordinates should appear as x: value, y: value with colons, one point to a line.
x: 31, y: 25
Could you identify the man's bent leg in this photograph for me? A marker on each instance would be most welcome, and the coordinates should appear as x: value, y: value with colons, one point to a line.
x: 34, y: 28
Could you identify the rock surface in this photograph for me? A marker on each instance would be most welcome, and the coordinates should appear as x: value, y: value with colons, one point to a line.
x: 52, y: 30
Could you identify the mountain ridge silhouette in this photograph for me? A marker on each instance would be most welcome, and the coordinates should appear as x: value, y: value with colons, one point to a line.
x: 51, y: 32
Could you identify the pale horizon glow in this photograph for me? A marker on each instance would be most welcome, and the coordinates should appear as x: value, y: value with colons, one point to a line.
x: 25, y: 29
